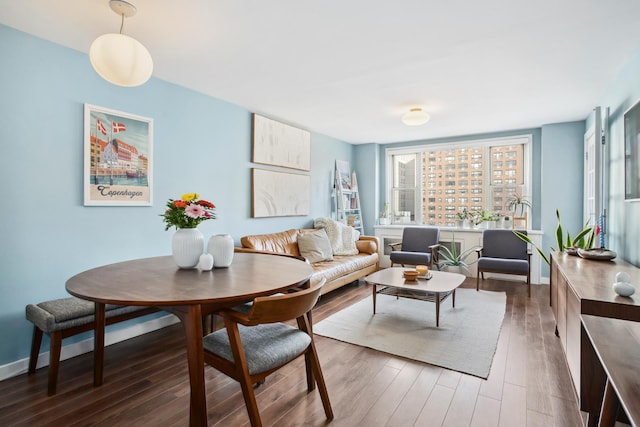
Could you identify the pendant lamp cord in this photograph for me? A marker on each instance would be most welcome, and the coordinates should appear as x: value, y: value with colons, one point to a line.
x: 122, y: 23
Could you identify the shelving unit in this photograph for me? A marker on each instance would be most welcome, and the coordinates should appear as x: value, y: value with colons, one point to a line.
x: 347, y: 198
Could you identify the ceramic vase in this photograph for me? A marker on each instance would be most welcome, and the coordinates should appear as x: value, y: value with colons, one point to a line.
x: 221, y: 247
x: 187, y: 246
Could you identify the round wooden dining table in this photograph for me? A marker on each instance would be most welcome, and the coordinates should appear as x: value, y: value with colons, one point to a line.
x: 187, y: 293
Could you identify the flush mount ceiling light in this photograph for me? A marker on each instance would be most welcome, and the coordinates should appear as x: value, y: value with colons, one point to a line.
x: 120, y: 59
x: 415, y: 117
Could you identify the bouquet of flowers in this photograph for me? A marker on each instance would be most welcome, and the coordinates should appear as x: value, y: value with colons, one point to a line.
x: 188, y: 212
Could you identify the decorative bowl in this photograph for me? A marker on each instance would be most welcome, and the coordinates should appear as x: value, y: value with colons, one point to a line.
x: 422, y: 270
x: 599, y: 254
x: 411, y: 275
x: 571, y: 250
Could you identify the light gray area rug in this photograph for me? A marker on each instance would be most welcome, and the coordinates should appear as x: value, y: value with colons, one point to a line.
x: 465, y: 341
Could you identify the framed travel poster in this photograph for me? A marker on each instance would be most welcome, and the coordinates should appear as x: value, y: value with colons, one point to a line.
x: 118, y: 160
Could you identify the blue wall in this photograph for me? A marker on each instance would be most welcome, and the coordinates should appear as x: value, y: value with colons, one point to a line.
x: 561, y: 181
x: 201, y: 144
x: 623, y: 217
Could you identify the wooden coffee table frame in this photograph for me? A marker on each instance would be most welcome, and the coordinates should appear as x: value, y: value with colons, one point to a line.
x: 437, y: 289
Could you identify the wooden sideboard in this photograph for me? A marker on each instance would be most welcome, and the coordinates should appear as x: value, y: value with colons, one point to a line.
x: 581, y: 286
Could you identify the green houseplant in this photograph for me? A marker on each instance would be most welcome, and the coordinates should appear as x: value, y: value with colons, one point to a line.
x: 452, y: 259
x: 518, y: 204
x: 584, y: 239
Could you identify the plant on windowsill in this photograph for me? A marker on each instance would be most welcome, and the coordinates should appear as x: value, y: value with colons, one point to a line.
x: 485, y: 216
x: 518, y: 205
x: 451, y: 260
x: 385, y: 215
x: 583, y: 240
x: 463, y: 218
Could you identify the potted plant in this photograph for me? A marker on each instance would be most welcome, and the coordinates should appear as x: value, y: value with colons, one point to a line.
x: 486, y: 217
x: 584, y: 239
x: 463, y: 217
x: 451, y: 260
x: 518, y: 205
x: 507, y: 221
x: 384, y: 215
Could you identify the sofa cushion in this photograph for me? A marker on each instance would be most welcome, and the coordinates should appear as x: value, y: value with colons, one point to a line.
x: 341, y: 265
x: 284, y: 242
x: 315, y: 246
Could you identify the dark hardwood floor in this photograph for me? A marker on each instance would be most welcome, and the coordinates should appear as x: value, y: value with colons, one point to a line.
x: 146, y: 382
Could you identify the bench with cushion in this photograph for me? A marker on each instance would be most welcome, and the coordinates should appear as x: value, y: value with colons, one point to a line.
x: 65, y: 317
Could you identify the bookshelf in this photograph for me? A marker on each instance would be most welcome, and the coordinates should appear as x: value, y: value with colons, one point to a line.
x: 347, y: 197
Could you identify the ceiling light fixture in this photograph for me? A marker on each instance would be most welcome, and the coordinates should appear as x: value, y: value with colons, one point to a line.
x: 120, y: 59
x: 415, y: 117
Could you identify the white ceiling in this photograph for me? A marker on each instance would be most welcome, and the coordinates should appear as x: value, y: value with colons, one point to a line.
x: 350, y: 68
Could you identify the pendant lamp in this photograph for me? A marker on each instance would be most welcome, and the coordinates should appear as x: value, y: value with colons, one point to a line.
x: 120, y: 59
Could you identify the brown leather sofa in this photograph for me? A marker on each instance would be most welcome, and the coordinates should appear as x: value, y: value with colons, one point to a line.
x: 342, y: 270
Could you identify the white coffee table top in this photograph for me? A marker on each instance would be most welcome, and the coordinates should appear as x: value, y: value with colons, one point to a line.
x: 441, y: 281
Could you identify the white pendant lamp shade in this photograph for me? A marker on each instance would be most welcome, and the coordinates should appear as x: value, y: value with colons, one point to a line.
x: 121, y: 60
x: 415, y: 117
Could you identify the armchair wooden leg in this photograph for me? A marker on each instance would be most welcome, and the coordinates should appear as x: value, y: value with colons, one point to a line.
x: 529, y: 282
x: 478, y: 281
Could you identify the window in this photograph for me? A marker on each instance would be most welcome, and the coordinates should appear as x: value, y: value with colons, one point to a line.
x: 488, y: 170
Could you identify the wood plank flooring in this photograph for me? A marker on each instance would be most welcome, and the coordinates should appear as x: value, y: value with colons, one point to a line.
x: 146, y: 382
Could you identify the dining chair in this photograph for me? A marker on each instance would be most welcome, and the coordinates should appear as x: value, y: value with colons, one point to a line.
x: 255, y: 344
x: 503, y: 252
x: 419, y: 246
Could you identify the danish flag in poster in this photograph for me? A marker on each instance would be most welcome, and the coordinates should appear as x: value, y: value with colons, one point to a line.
x: 118, y: 127
x: 101, y: 128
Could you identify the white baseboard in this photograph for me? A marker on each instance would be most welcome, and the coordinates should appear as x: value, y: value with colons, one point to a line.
x: 86, y: 346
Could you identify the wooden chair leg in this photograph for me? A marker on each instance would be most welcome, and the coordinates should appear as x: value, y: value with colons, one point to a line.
x: 250, y: 401
x: 36, y: 342
x: 243, y: 373
x: 478, y: 280
x: 322, y: 387
x: 54, y: 361
x: 308, y: 363
x: 529, y: 282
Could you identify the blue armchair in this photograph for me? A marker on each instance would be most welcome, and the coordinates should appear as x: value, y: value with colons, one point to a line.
x: 419, y: 246
x: 503, y: 252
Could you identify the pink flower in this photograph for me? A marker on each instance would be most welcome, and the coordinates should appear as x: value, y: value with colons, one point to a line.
x: 194, y: 211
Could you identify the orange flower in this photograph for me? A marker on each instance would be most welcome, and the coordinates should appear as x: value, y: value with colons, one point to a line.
x: 179, y: 204
x: 206, y: 204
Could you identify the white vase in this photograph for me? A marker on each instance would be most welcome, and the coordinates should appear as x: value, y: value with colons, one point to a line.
x: 221, y: 247
x: 187, y: 245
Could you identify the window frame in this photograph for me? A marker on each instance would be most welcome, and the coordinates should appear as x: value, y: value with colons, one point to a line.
x: 485, y: 143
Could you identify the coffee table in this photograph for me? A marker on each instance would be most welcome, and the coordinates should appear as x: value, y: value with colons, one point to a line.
x: 436, y: 289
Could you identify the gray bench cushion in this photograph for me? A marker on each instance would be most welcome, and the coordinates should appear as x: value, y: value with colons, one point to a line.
x: 266, y: 346
x: 66, y: 313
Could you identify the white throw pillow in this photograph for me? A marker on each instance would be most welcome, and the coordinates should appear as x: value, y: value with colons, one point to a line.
x: 315, y: 246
